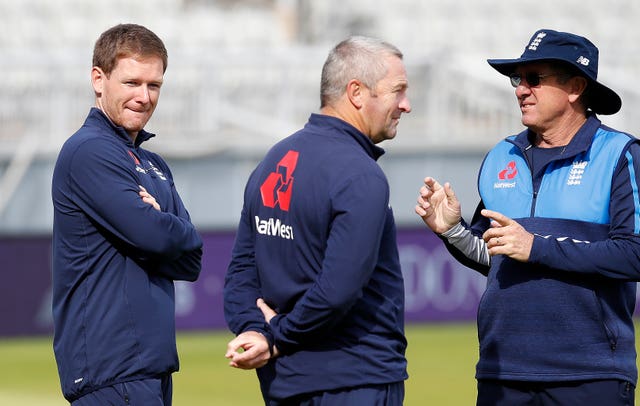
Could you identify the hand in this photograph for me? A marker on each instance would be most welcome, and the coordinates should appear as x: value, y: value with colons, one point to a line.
x: 507, y: 237
x: 438, y: 206
x: 268, y: 313
x: 147, y: 198
x: 254, y: 354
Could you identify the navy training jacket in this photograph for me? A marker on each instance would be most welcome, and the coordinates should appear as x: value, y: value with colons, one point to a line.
x: 566, y: 314
x: 317, y: 241
x: 115, y: 259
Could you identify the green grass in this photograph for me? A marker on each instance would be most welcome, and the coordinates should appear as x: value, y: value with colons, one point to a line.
x: 441, y: 357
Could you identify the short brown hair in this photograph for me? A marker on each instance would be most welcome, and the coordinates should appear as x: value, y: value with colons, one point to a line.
x: 127, y: 40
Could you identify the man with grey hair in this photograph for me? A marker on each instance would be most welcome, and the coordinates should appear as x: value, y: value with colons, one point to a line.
x: 314, y: 290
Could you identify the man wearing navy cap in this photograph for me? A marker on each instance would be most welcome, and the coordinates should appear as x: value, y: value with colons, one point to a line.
x: 557, y: 233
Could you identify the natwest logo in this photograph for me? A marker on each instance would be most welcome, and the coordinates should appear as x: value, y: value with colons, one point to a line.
x: 274, y: 227
x: 509, y: 172
x: 278, y: 186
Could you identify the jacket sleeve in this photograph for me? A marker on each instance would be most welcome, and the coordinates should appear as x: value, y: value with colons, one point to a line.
x: 473, y: 237
x: 618, y: 256
x: 106, y: 189
x: 360, y: 209
x: 242, y: 284
x: 187, y: 267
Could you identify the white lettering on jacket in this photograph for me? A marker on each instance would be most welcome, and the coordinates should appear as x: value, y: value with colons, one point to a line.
x: 504, y: 185
x: 274, y: 227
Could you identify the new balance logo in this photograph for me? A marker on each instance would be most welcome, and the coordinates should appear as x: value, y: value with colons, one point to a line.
x: 583, y: 61
x: 278, y: 186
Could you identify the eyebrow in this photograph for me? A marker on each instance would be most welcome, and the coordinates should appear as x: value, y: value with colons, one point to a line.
x: 401, y: 85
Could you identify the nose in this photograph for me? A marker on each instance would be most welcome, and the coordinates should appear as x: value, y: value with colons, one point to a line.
x: 143, y: 95
x: 405, y: 105
x: 522, y: 90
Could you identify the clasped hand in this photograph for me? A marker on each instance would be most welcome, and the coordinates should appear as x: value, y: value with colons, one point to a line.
x: 250, y: 349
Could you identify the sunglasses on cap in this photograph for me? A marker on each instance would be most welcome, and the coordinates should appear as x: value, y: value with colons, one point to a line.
x: 532, y: 78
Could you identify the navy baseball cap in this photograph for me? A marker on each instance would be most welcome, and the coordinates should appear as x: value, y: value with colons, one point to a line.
x: 574, y: 50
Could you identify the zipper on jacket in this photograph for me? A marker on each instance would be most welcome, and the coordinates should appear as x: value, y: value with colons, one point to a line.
x: 613, y: 339
x: 533, y: 180
x: 125, y: 394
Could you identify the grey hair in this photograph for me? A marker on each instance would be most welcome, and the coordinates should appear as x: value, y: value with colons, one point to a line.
x: 357, y: 57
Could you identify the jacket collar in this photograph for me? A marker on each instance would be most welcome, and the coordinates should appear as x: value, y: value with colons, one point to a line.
x: 579, y: 143
x: 95, y: 114
x: 322, y: 120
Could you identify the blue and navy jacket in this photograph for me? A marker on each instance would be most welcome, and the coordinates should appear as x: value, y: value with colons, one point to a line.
x: 115, y: 258
x: 317, y: 241
x: 566, y: 314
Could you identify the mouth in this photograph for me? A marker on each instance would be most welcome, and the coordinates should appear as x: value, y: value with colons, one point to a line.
x: 525, y: 102
x: 138, y: 111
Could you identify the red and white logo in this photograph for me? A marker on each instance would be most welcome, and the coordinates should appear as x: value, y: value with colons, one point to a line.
x: 509, y: 172
x: 135, y: 158
x: 278, y: 186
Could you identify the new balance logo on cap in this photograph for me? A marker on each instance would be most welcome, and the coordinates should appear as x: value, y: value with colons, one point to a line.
x: 583, y: 61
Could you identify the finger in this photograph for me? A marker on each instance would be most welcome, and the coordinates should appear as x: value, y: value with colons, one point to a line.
x: 243, y: 357
x: 431, y: 183
x: 448, y: 190
x: 232, y: 348
x: 262, y: 306
x: 422, y: 202
x: 267, y: 311
x: 420, y: 211
x: 240, y: 363
x: 251, y: 358
x: 490, y: 235
x: 499, y: 218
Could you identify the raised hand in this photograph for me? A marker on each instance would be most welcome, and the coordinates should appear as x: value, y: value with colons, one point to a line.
x: 438, y: 206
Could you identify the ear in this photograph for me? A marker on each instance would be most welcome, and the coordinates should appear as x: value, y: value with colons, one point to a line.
x: 355, y: 92
x: 577, y: 87
x: 97, y: 79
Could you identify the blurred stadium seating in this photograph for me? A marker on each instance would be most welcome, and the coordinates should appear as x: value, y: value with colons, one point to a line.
x: 243, y: 74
